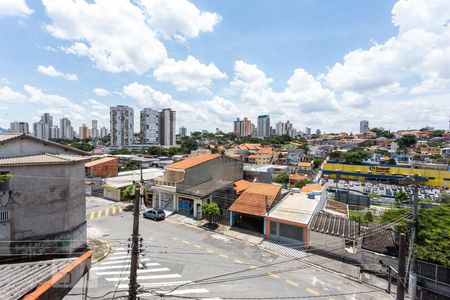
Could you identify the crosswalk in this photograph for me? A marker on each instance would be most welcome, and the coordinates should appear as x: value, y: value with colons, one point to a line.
x: 290, y: 250
x: 104, y: 212
x: 153, y: 278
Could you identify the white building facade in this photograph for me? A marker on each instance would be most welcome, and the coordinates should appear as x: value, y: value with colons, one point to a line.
x: 121, y: 126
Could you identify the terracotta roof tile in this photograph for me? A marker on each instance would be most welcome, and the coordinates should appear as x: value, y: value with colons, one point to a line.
x: 298, y: 177
x: 311, y: 187
x: 100, y: 161
x: 304, y: 164
x: 241, y: 185
x: 192, y: 162
x: 253, y: 200
x: 265, y: 150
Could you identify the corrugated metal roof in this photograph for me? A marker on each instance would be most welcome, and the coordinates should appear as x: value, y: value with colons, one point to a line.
x: 332, y: 224
x: 19, y: 279
x: 40, y: 159
x: 207, y: 188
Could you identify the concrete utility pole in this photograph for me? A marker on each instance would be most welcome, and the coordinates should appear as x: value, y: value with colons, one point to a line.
x: 412, y: 286
x: 401, y: 268
x: 132, y: 291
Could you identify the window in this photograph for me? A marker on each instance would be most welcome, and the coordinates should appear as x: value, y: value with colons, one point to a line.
x: 273, y: 228
x: 5, y: 181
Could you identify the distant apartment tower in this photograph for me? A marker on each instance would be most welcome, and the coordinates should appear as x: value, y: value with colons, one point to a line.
x: 149, y: 133
x: 94, y: 129
x: 363, y: 126
x: 19, y: 127
x: 308, y: 131
x: 42, y: 129
x: 182, y: 131
x: 167, y: 125
x: 263, y: 127
x: 54, y: 132
x: 65, y: 129
x: 243, y: 127
x: 83, y: 132
x: 103, y: 132
x: 121, y: 126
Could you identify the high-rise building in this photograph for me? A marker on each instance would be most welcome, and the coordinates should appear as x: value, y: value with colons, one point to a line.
x: 47, y: 119
x: 279, y: 128
x: 19, y: 127
x: 243, y: 127
x: 94, y: 129
x: 41, y: 130
x: 263, y: 128
x: 308, y: 131
x: 65, y: 129
x: 103, y: 132
x: 149, y: 133
x: 84, y: 132
x: 167, y: 125
x: 121, y: 126
x: 183, y: 131
x: 363, y: 126
x: 318, y: 132
x: 54, y: 132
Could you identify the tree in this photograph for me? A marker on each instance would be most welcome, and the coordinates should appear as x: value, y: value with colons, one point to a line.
x: 210, y: 210
x: 187, y: 144
x: 301, y: 183
x: 106, y: 139
x: 336, y: 155
x: 82, y: 146
x: 215, y: 150
x: 433, y: 235
x: 445, y: 198
x: 392, y: 161
x: 317, y: 162
x: 400, y: 196
x: 399, y: 217
x: 356, y: 156
x: 282, y: 178
x: 437, y: 133
x: 407, y: 141
x: 128, y: 192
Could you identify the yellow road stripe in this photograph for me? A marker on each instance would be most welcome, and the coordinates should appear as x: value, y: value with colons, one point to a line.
x: 186, y: 242
x: 92, y: 216
x: 107, y: 211
x: 113, y: 210
x: 291, y: 282
x: 197, y: 246
x: 238, y: 261
x: 99, y: 213
x: 210, y: 250
x: 223, y: 255
x: 313, y: 292
x: 174, y: 238
x: 120, y: 209
x: 273, y: 275
x: 253, y: 267
x: 330, y: 298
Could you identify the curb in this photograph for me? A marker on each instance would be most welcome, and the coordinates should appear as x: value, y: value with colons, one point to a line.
x: 105, y: 254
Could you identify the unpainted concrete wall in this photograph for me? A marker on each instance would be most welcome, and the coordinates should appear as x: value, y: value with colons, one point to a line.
x: 26, y: 146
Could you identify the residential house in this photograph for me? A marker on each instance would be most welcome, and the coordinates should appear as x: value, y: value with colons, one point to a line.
x: 43, y: 202
x: 251, y: 207
x: 188, y: 184
x: 103, y: 167
x: 305, y: 166
x: 294, y: 156
x: 265, y: 156
x: 296, y: 177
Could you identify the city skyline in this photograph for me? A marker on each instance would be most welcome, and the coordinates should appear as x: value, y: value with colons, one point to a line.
x: 293, y: 78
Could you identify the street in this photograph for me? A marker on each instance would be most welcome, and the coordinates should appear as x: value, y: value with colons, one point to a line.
x: 181, y: 261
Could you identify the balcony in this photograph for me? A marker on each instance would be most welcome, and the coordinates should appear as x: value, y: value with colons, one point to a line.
x: 161, y: 181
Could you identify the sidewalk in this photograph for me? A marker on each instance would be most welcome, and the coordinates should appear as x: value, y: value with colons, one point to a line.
x: 100, y: 249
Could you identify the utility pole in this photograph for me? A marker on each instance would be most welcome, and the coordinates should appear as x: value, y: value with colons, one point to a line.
x: 132, y: 291
x: 411, y: 257
x: 401, y: 268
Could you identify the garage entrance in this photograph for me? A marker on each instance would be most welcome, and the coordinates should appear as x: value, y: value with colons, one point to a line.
x: 286, y: 233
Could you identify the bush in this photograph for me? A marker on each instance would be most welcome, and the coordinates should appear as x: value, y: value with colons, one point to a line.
x: 210, y: 210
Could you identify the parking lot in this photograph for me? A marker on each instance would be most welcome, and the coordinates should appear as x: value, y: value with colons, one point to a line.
x: 386, y: 190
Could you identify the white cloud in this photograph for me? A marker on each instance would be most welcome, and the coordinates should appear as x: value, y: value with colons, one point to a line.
x: 114, y: 35
x: 95, y: 104
x: 4, y: 80
x: 14, y: 8
x: 188, y: 74
x: 8, y: 95
x: 51, y: 71
x: 101, y: 92
x: 61, y: 104
x: 221, y: 109
x: 179, y: 19
x: 146, y: 96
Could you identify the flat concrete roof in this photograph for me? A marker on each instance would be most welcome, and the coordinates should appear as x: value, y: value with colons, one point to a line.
x: 126, y: 178
x: 295, y: 207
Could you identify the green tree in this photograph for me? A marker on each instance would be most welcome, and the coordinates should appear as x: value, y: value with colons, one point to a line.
x: 210, y: 210
x: 336, y: 155
x: 215, y: 150
x: 187, y: 144
x: 282, y: 178
x: 106, y: 139
x: 392, y: 161
x: 82, y: 146
x: 356, y: 156
x: 407, y: 141
x: 317, y: 162
x: 128, y: 192
x: 433, y: 235
x: 400, y: 196
x: 437, y: 133
x: 445, y: 198
x: 301, y: 183
x: 399, y: 216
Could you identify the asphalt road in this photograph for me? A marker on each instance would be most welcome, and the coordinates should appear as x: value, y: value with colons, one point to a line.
x: 185, y: 262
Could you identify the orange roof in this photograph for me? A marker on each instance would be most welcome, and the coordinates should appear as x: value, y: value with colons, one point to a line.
x: 311, y: 187
x: 252, y: 156
x: 100, y: 161
x: 265, y: 150
x: 241, y: 185
x: 297, y: 177
x: 252, y: 201
x: 304, y: 164
x: 234, y: 155
x: 192, y: 161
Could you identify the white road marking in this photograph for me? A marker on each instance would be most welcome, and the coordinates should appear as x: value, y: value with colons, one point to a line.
x: 138, y: 271
x: 177, y: 292
x: 120, y: 267
x: 156, y: 284
x: 121, y: 261
x: 147, y: 277
x: 120, y: 253
x: 118, y: 257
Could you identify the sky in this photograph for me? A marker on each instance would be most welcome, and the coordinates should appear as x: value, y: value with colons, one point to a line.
x: 317, y: 63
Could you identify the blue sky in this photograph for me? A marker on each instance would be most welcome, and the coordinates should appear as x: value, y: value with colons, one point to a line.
x: 322, y: 64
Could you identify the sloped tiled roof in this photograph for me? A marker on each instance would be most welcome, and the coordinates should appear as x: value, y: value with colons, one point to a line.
x: 253, y: 200
x: 297, y: 177
x: 304, y: 164
x: 311, y: 187
x: 192, y: 161
x: 8, y: 136
x: 40, y: 159
x: 265, y: 150
x: 241, y: 185
x: 100, y: 161
x: 335, y: 225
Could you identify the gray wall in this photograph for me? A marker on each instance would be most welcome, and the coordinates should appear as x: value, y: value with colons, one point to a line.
x: 371, y: 261
x: 27, y: 146
x: 220, y: 168
x: 332, y: 245
x: 48, y: 203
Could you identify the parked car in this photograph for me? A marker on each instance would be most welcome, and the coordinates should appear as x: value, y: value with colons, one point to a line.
x: 155, y: 214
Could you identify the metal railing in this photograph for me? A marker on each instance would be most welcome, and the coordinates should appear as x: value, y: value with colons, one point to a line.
x: 433, y: 276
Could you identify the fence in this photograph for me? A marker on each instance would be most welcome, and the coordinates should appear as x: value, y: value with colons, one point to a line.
x: 433, y: 277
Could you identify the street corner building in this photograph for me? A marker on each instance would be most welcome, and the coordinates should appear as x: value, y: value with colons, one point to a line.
x: 42, y: 198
